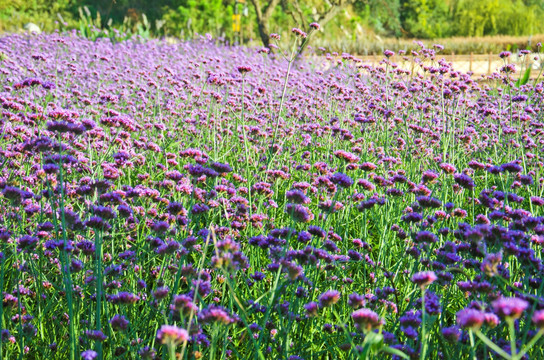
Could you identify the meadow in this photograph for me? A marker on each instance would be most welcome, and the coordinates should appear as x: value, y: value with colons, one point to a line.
x: 203, y: 201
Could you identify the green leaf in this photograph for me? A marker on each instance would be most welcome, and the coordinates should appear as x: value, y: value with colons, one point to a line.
x: 523, y: 80
x: 374, y: 338
x: 397, y: 352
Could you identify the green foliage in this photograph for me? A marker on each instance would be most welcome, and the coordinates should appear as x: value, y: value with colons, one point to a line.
x: 198, y: 17
x: 492, y: 17
x: 14, y: 14
x: 382, y: 15
x: 425, y: 19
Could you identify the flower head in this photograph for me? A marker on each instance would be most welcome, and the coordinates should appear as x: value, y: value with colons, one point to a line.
x: 451, y: 334
x: 89, y: 355
x: 243, y: 69
x: 425, y: 278
x: 470, y: 318
x: 538, y: 319
x: 510, y: 307
x: 341, y: 180
x: 329, y: 298
x: 299, y: 32
x: 388, y: 53
x: 366, y: 319
x: 299, y: 213
x: 173, y: 335
x: 119, y: 323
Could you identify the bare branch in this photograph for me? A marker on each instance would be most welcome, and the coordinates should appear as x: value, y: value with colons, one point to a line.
x: 263, y: 18
x: 332, y: 11
x: 270, y: 8
x: 257, y: 6
x: 300, y: 15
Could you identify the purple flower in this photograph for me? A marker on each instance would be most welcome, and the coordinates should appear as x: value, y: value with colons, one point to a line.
x: 221, y: 168
x: 172, y: 335
x: 12, y: 193
x: 464, y: 181
x: 215, y: 314
x: 341, y: 180
x: 160, y: 227
x: 184, y: 304
x: 509, y: 307
x: 429, y: 176
x: 311, y: 309
x: 538, y: 319
x: 366, y: 319
x: 175, y: 208
x: 356, y: 301
x: 511, y: 167
x: 199, y: 209
x: 297, y: 197
x: 299, y: 213
x: 65, y: 127
x: 299, y: 32
x: 50, y: 168
x: 243, y: 69
x: 425, y: 237
x: 96, y: 335
x: 451, y: 334
x: 105, y: 212
x: 119, y: 323
x: 491, y: 320
x: 27, y: 243
x: 96, y: 222
x: 329, y: 298
x: 317, y: 231
x: 412, y: 217
x: 161, y: 293
x: 490, y: 264
x: 470, y: 318
x: 124, y: 298
x: 89, y: 355
x: 367, y: 204
x: 388, y: 53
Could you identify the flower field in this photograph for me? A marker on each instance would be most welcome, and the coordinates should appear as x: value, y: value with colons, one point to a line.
x: 204, y: 201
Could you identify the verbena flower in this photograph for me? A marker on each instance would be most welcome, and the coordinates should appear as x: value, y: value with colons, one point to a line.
x: 172, y: 335
x: 329, y: 298
x: 470, y: 319
x: 119, y: 323
x: 366, y: 319
x: 509, y: 307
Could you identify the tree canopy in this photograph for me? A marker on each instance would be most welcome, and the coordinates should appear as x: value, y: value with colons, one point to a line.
x: 424, y: 19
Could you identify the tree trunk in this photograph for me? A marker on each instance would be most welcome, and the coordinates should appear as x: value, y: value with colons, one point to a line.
x: 263, y: 16
x: 264, y: 33
x: 325, y: 17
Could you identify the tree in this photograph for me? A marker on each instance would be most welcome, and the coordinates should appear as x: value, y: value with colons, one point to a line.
x: 263, y: 18
x: 328, y: 10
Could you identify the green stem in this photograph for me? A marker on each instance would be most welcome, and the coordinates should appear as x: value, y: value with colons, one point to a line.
x: 171, y: 351
x: 491, y: 345
x: 1, y: 302
x: 66, y: 259
x: 530, y: 344
x: 284, y: 90
x: 98, y: 288
x: 512, y: 331
x: 423, y: 340
x: 472, y: 348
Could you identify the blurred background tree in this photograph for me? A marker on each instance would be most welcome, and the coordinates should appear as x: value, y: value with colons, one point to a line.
x: 345, y: 23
